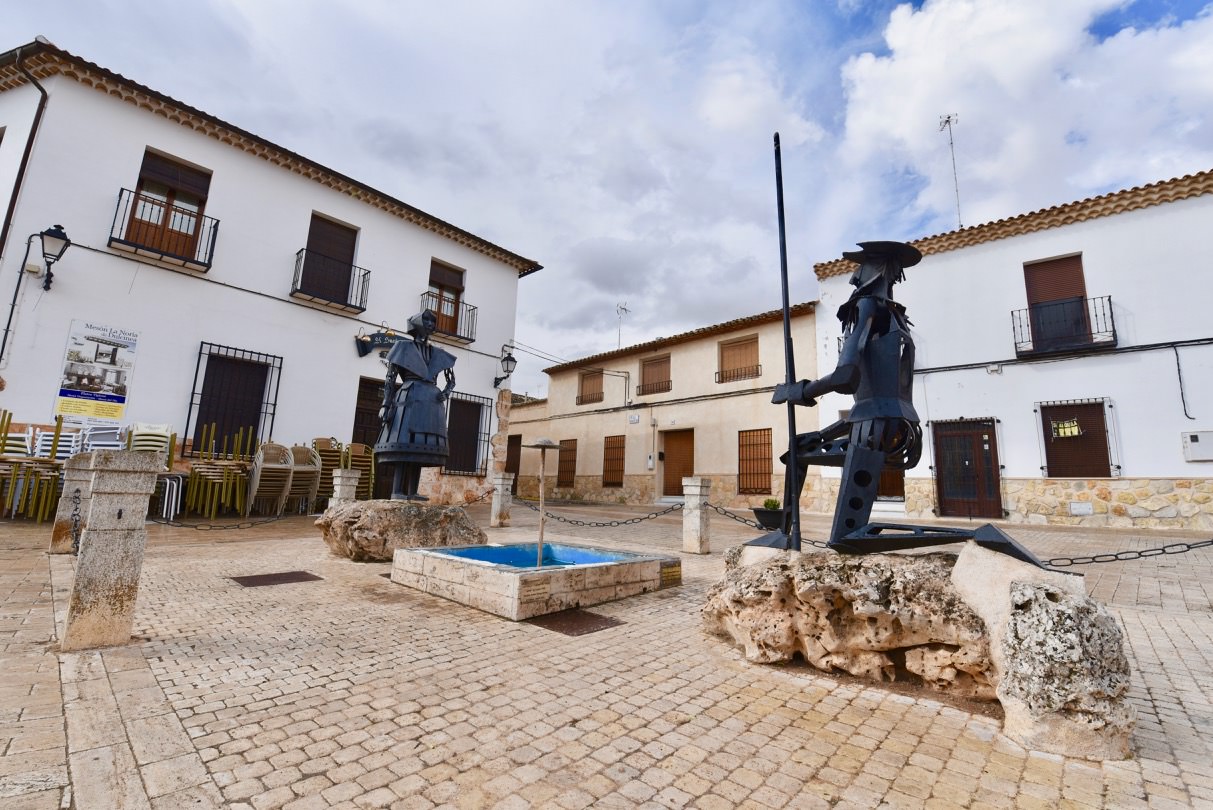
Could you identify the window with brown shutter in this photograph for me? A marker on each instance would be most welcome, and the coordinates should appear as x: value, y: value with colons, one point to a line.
x: 328, y: 261
x: 589, y: 387
x: 566, y: 470
x: 654, y: 376
x: 754, y: 462
x: 1075, y: 439
x: 739, y: 360
x: 612, y: 461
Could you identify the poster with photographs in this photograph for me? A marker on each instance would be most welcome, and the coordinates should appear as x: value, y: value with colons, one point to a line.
x: 97, y: 370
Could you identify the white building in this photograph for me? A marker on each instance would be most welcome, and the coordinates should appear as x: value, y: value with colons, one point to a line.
x: 215, y: 277
x: 1064, y: 366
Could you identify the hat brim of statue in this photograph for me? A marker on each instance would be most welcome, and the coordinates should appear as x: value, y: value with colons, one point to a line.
x: 903, y: 254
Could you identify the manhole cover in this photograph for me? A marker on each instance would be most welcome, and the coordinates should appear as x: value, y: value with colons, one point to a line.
x: 574, y: 622
x: 257, y: 580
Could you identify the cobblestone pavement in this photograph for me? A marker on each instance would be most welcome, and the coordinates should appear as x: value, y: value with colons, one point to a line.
x: 355, y: 692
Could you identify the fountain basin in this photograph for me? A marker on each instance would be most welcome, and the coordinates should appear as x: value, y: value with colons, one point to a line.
x: 503, y: 579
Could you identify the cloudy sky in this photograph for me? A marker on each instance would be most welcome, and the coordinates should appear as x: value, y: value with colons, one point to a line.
x: 626, y: 144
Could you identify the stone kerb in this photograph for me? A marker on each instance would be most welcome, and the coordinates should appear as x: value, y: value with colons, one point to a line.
x: 77, y: 476
x: 696, y: 526
x: 101, y: 607
x: 503, y: 500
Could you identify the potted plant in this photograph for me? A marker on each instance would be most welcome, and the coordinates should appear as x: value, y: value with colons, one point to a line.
x: 770, y: 514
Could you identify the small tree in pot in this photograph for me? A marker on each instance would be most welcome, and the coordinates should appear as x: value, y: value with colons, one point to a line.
x: 770, y: 514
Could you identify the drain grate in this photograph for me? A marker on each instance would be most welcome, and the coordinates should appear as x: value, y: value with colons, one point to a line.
x: 574, y: 622
x: 257, y: 580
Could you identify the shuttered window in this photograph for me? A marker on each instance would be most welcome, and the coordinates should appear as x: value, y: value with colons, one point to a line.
x: 166, y: 213
x: 1054, y: 280
x: 177, y: 176
x: 1075, y: 439
x: 754, y: 462
x: 446, y: 289
x: 329, y: 261
x: 612, y: 461
x: 566, y: 472
x: 739, y: 360
x: 654, y: 376
x: 1057, y: 304
x: 589, y: 388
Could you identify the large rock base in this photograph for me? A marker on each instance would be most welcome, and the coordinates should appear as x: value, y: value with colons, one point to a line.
x: 982, y: 626
x: 371, y: 531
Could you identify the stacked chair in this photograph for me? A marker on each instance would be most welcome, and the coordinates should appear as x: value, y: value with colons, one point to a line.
x: 307, y: 467
x: 158, y: 439
x: 106, y: 437
x: 362, y: 457
x: 269, y: 482
x: 219, y: 472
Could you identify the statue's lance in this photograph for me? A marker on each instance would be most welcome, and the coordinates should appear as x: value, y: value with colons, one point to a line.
x: 791, y: 487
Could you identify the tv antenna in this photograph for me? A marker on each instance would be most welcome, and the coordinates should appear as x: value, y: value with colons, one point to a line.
x: 620, y: 311
x: 946, y: 122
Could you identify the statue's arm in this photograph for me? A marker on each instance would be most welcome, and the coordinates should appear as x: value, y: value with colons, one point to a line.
x: 844, y: 379
x: 449, y: 386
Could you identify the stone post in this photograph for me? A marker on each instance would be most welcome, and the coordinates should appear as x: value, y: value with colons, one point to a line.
x: 695, y: 524
x: 503, y: 499
x: 77, y: 475
x: 101, y: 610
x: 345, y: 484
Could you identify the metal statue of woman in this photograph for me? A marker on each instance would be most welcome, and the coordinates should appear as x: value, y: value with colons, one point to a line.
x: 414, y: 407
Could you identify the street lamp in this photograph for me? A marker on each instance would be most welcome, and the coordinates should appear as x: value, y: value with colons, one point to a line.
x: 508, y: 364
x: 54, y: 243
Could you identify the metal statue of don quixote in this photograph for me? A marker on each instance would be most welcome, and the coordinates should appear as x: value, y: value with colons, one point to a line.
x: 882, y: 430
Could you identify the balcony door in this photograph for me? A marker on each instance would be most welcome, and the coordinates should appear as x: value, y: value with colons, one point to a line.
x: 1057, y: 303
x: 166, y: 215
x: 329, y: 261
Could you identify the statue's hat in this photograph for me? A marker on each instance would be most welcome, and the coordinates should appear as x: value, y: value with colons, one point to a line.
x: 901, y: 253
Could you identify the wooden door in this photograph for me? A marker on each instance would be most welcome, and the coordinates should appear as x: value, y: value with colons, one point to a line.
x: 366, y: 429
x: 513, y: 458
x: 679, y: 460
x: 966, y: 469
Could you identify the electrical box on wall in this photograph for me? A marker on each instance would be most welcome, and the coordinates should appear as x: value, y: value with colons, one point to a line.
x: 1198, y: 445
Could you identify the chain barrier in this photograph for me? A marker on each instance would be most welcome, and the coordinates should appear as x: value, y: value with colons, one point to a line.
x: 756, y: 525
x: 481, y: 498
x: 1123, y: 556
x: 76, y: 521
x: 600, y: 524
x: 207, y: 527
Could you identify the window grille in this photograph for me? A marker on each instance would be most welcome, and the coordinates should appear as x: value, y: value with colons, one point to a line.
x: 236, y: 391
x: 467, y: 434
x: 612, y: 461
x: 1075, y: 437
x: 566, y: 474
x: 754, y: 462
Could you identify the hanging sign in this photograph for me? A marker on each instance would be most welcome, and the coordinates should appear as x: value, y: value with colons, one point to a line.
x: 376, y: 340
x: 97, y: 368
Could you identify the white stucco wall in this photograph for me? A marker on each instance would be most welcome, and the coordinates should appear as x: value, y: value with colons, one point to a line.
x: 90, y: 146
x: 1149, y: 261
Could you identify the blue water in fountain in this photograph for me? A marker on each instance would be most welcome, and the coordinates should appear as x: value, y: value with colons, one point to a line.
x: 523, y: 555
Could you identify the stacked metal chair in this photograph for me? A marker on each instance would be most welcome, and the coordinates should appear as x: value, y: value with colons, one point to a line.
x: 269, y: 481
x: 305, y: 478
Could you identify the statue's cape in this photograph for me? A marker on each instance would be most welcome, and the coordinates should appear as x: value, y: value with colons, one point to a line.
x: 408, y: 356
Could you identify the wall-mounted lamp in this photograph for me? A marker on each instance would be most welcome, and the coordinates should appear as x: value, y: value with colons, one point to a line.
x: 54, y: 243
x: 362, y: 335
x: 386, y: 330
x: 508, y: 364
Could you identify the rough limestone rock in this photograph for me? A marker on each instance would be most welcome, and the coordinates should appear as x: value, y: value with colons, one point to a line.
x: 1063, y: 674
x: 980, y: 625
x: 882, y: 617
x: 370, y: 531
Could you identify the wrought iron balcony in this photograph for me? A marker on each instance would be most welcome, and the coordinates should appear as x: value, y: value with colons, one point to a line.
x: 456, y: 319
x: 1068, y: 325
x: 586, y: 399
x: 659, y: 387
x: 325, y: 280
x: 150, y: 226
x: 734, y: 374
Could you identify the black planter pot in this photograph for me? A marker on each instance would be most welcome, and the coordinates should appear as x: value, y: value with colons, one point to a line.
x: 768, y: 518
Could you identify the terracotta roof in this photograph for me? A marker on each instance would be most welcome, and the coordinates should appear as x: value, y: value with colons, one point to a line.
x: 43, y: 60
x: 694, y: 334
x: 1117, y: 202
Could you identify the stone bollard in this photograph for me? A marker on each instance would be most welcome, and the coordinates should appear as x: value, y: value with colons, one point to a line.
x: 101, y: 610
x: 695, y: 524
x: 77, y: 476
x: 345, y: 485
x: 503, y: 499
